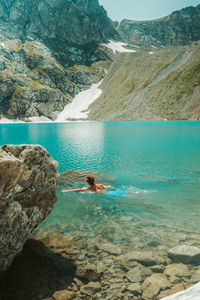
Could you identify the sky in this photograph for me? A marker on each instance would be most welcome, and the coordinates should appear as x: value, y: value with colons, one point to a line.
x: 143, y: 9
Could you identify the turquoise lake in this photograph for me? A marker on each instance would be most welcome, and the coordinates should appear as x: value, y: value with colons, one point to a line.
x: 155, y: 165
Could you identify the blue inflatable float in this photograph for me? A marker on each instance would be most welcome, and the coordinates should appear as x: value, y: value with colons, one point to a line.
x: 116, y: 193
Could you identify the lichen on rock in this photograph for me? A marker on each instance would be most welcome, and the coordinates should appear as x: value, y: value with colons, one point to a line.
x: 28, y: 182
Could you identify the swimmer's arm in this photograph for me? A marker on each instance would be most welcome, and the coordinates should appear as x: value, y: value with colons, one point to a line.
x: 76, y: 190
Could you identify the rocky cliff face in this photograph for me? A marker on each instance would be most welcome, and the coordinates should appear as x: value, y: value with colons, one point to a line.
x: 38, y: 42
x: 179, y: 28
x: 71, y: 29
x: 151, y: 85
x: 34, y: 83
x: 28, y: 180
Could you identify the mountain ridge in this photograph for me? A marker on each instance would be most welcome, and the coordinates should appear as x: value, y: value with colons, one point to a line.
x: 63, y: 26
x: 179, y: 28
x: 50, y: 50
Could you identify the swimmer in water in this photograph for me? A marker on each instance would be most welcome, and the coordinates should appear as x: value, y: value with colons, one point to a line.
x: 92, y: 186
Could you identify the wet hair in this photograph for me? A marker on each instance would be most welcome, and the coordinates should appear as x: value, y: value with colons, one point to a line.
x: 90, y: 180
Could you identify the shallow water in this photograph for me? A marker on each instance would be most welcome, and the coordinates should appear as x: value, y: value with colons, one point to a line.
x: 156, y: 165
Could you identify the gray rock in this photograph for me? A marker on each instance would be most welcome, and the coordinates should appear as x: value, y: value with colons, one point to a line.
x: 135, y: 289
x: 118, y: 286
x: 126, y: 261
x: 184, y: 254
x: 110, y: 248
x: 71, y: 177
x: 178, y: 270
x: 143, y: 257
x: 28, y: 181
x: 101, y: 267
x: 138, y: 273
x: 150, y: 293
x: 174, y: 290
x: 157, y: 280
x: 157, y: 268
x: 135, y: 275
x: 88, y: 274
x: 191, y: 294
x: 64, y: 295
x: 91, y: 288
x: 174, y: 279
x: 196, y: 276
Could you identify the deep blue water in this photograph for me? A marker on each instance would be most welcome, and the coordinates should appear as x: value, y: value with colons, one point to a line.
x: 157, y: 164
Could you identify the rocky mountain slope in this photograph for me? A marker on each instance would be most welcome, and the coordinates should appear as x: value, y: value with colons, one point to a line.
x: 71, y: 29
x: 34, y: 83
x: 146, y: 85
x: 179, y: 28
x: 41, y: 43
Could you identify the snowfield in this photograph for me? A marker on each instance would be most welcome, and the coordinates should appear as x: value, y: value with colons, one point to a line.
x: 118, y: 47
x: 78, y: 108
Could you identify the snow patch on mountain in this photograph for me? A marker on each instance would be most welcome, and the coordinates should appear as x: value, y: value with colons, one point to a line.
x: 78, y: 108
x: 41, y: 119
x: 118, y: 46
x: 7, y: 121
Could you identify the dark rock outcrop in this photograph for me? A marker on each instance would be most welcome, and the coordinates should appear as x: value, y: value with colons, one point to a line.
x: 34, y: 83
x: 39, y: 43
x: 179, y: 28
x: 28, y: 181
x: 72, y: 29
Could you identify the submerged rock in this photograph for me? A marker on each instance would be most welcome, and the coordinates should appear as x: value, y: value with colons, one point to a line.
x: 178, y: 270
x: 135, y: 288
x: 69, y: 178
x: 110, y: 248
x: 191, y: 294
x: 196, y: 276
x: 154, y: 284
x: 87, y: 274
x: 64, y: 295
x: 91, y: 288
x: 28, y: 181
x: 184, y: 254
x: 144, y: 257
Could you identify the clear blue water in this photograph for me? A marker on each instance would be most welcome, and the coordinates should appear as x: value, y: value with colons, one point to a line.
x: 155, y: 164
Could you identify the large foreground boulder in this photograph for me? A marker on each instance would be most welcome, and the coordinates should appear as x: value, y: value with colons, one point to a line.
x: 28, y: 182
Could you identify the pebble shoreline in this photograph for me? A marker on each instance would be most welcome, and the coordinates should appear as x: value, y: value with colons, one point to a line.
x: 62, y: 267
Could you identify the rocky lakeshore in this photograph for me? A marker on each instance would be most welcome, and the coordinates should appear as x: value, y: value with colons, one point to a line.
x: 56, y: 266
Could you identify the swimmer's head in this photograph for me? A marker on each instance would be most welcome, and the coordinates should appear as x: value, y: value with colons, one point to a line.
x: 90, y: 180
